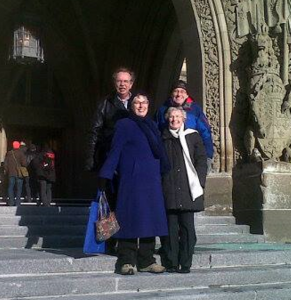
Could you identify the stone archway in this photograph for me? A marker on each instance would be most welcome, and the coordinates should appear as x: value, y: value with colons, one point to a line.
x: 208, y: 68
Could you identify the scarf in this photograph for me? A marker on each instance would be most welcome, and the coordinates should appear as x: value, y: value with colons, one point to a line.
x: 150, y: 130
x: 193, y: 180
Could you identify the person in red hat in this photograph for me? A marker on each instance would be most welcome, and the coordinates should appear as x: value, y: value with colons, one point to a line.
x: 14, y: 159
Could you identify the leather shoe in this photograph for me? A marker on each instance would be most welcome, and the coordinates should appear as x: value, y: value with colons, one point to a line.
x: 172, y: 270
x: 184, y: 270
x: 153, y: 268
x: 127, y: 269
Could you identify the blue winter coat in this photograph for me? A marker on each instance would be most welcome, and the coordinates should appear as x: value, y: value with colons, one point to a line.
x: 140, y: 208
x: 196, y: 119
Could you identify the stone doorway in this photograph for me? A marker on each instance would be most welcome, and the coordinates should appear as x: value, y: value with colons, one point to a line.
x: 153, y: 37
x: 41, y: 136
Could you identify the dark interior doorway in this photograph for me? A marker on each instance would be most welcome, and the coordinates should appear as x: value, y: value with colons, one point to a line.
x: 41, y: 136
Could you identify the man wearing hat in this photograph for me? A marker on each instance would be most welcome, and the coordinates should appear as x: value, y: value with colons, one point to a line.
x: 196, y: 119
x: 14, y: 159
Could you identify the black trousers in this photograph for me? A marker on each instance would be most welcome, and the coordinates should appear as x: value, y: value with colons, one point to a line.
x: 45, y: 188
x: 178, y: 247
x: 129, y: 252
x: 27, y: 188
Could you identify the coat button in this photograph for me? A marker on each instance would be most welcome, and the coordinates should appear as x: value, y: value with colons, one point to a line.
x: 178, y: 170
x: 179, y: 189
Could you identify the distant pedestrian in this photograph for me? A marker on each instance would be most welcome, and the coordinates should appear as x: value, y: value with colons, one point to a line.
x: 14, y: 159
x: 26, y: 180
x: 31, y: 154
x: 2, y: 181
x: 44, y: 165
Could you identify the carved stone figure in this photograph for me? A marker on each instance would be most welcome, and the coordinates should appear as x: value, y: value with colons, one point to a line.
x: 269, y: 127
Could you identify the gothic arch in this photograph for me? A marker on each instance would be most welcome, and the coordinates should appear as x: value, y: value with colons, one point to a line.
x: 203, y: 22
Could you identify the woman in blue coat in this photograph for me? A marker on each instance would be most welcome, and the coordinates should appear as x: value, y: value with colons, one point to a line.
x: 137, y: 155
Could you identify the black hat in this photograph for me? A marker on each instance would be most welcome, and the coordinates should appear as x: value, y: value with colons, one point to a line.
x: 180, y: 84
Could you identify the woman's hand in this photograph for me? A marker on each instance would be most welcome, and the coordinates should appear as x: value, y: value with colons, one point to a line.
x: 102, y: 183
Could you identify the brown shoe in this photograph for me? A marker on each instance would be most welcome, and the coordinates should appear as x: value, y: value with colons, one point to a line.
x: 153, y: 268
x: 127, y: 269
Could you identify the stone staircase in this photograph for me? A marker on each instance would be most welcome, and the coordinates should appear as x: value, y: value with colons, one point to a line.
x: 229, y: 263
x: 64, y: 227
x: 217, y: 273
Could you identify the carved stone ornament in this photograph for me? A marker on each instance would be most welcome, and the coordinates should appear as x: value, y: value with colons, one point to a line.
x: 261, y: 116
x: 211, y: 74
x: 269, y: 128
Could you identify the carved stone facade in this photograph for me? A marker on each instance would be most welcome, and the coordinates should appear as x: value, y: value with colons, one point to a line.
x: 259, y: 72
x: 211, y: 66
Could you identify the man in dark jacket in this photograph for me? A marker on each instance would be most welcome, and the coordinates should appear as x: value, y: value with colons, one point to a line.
x: 14, y: 159
x: 44, y: 165
x: 31, y: 154
x: 109, y: 110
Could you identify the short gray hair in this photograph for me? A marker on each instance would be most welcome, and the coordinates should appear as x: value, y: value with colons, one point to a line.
x: 171, y: 109
x: 124, y: 70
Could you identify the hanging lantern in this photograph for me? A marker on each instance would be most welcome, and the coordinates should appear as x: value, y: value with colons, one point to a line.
x: 26, y: 46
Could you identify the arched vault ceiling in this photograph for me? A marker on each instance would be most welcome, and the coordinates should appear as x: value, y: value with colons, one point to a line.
x: 86, y: 40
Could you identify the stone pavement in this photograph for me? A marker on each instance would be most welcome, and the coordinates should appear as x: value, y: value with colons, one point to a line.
x: 219, y: 271
x: 41, y: 258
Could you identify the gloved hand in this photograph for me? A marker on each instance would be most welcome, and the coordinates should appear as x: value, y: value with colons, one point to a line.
x: 89, y: 164
x: 209, y: 165
x: 102, y: 183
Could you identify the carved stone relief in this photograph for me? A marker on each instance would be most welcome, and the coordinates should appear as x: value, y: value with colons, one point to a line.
x: 268, y: 127
x: 261, y: 116
x: 211, y: 74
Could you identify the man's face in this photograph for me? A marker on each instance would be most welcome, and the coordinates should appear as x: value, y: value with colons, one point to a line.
x: 179, y: 96
x: 123, y: 84
x: 140, y: 106
x: 176, y: 119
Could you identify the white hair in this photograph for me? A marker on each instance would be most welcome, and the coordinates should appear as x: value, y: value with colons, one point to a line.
x: 171, y: 109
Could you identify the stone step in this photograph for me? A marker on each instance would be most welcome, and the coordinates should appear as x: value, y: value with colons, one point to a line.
x: 95, y: 282
x: 229, y: 238
x: 26, y: 220
x: 221, y: 228
x: 16, y: 230
x: 55, y: 211
x: 77, y: 241
x: 50, y: 241
x: 46, y: 220
x: 35, y: 230
x: 35, y: 210
x: 214, y: 220
x: 31, y: 261
x: 254, y: 292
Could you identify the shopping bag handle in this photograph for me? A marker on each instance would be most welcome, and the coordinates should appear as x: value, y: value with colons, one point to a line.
x: 104, y: 209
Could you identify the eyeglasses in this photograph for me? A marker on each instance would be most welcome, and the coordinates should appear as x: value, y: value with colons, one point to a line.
x: 123, y: 81
x: 137, y: 103
x: 179, y: 91
x: 176, y: 117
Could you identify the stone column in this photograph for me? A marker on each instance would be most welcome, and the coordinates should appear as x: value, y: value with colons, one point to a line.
x: 276, y: 190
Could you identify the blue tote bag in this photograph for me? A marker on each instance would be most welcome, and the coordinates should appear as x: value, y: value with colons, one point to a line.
x: 91, y: 245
